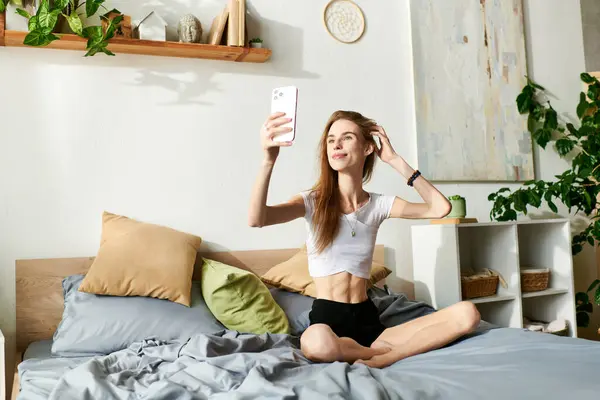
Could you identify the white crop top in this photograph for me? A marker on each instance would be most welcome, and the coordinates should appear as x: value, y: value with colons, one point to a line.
x: 353, y: 254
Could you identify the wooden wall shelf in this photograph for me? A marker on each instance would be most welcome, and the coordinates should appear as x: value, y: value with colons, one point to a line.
x: 145, y: 47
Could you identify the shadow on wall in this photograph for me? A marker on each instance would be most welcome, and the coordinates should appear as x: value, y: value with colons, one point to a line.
x: 286, y: 62
x: 192, y: 79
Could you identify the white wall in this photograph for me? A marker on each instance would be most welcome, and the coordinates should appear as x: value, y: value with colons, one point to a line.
x: 175, y: 141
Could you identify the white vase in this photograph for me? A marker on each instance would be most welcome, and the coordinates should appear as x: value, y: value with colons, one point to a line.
x: 256, y: 45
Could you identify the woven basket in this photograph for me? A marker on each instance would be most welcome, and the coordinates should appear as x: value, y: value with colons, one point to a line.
x: 481, y: 286
x: 534, y: 280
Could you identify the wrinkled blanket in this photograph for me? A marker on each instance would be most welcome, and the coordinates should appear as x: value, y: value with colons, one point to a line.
x: 498, y: 363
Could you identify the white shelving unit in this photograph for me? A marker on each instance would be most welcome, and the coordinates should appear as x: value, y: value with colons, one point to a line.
x: 440, y: 252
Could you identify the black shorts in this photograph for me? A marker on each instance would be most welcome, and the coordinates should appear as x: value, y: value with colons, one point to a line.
x: 358, y: 321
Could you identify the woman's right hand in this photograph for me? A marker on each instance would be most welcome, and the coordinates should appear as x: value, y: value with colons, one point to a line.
x: 270, y: 129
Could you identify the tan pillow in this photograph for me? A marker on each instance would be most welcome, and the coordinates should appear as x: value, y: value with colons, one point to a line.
x: 142, y: 259
x: 292, y: 275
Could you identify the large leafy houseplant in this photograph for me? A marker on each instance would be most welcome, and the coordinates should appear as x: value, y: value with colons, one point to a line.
x: 42, y: 25
x: 577, y: 187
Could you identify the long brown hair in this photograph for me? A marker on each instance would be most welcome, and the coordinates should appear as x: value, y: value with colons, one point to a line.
x: 327, y: 211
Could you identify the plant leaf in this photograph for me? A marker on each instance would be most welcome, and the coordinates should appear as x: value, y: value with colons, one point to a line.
x: 583, y: 105
x: 531, y: 123
x: 60, y: 4
x: 542, y: 137
x: 75, y: 23
x: 94, y: 35
x: 47, y: 19
x: 510, y: 215
x: 33, y: 23
x: 39, y: 38
x: 534, y: 199
x: 524, y: 100
x: 551, y: 122
x: 588, y: 202
x: 92, y: 6
x: 552, y: 206
x: 587, y: 78
x: 92, y: 52
x: 564, y: 146
x: 597, y: 296
x: 593, y: 285
x: 107, y: 52
x: 573, y: 130
x: 23, y: 13
x: 112, y: 27
x: 2, y: 6
x: 593, y: 92
x: 584, y: 172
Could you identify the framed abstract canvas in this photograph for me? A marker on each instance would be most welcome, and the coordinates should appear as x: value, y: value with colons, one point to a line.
x: 469, y: 67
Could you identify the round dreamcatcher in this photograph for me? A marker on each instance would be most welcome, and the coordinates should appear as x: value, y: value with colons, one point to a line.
x: 344, y: 20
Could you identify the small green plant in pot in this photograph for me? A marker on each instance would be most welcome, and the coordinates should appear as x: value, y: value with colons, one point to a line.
x: 256, y: 42
x: 459, y: 206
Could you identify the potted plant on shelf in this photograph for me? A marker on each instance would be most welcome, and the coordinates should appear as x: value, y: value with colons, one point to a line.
x: 459, y: 207
x: 578, y: 188
x: 42, y: 25
x: 256, y: 42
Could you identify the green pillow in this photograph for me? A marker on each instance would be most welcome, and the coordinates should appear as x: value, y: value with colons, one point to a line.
x: 240, y: 300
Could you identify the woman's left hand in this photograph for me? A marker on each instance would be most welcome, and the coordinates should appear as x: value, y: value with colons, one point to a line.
x: 385, y: 151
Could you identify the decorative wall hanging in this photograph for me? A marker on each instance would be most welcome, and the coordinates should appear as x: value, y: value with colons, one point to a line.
x: 344, y: 20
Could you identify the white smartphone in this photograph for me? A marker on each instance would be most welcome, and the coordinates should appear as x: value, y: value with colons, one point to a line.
x: 285, y: 99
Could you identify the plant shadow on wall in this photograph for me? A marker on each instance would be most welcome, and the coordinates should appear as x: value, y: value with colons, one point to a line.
x: 578, y: 188
x: 179, y: 76
x: 286, y: 60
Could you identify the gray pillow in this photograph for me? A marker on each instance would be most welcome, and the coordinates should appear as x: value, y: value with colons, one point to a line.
x: 296, y: 307
x: 98, y: 324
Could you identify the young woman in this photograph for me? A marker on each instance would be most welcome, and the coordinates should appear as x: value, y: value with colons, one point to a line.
x: 342, y: 220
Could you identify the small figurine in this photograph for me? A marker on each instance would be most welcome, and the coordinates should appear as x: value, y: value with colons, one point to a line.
x: 152, y: 27
x: 189, y: 29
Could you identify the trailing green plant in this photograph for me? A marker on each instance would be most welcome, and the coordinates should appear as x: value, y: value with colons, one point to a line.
x: 578, y: 187
x: 42, y: 25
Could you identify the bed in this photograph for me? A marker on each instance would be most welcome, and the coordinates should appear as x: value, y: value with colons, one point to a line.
x: 492, y: 363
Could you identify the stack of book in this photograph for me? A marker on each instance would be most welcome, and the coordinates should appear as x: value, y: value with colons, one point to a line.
x: 229, y: 27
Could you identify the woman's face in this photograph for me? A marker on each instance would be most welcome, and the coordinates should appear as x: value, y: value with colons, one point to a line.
x: 346, y: 146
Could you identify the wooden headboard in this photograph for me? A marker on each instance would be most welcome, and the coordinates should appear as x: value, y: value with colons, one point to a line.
x: 39, y: 285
